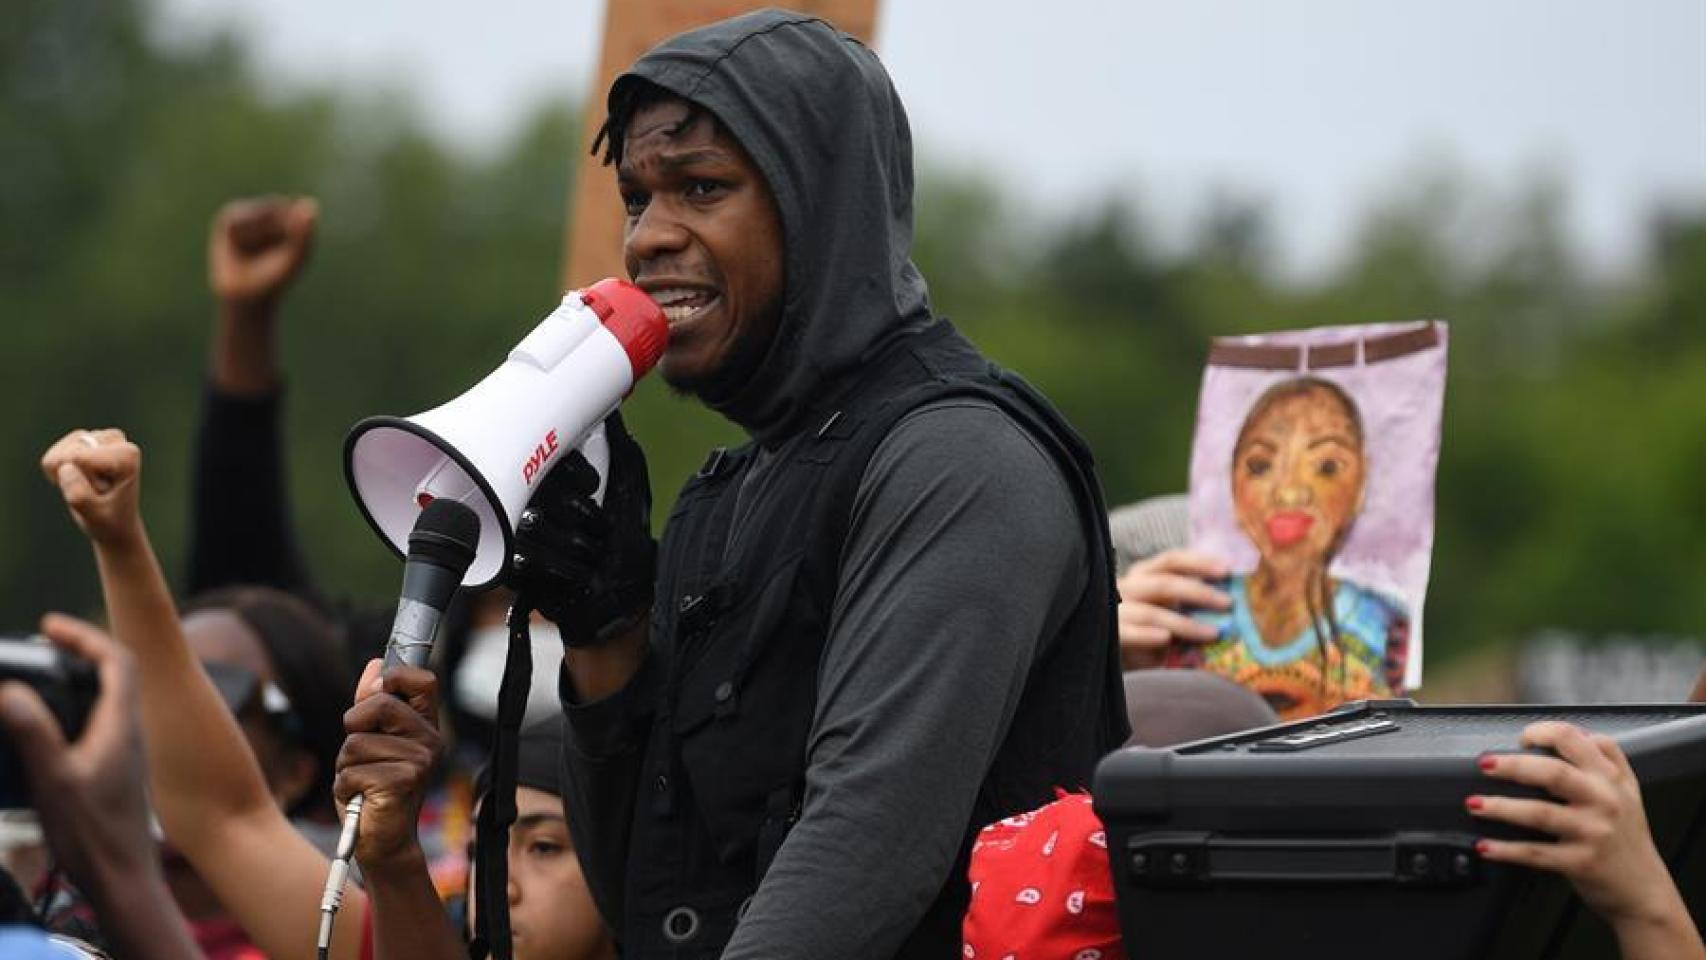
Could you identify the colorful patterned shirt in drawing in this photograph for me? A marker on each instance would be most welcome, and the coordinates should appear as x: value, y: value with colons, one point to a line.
x: 1367, y: 662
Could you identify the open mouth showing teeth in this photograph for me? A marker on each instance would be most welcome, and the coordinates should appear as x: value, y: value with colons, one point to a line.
x: 683, y: 303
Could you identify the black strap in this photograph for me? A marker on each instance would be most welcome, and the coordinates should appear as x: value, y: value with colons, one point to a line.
x: 497, y: 810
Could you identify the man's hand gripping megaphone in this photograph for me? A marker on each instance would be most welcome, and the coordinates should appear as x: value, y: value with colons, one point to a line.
x: 589, y: 566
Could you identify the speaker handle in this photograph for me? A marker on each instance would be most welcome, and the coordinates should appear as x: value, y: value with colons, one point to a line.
x: 1439, y: 859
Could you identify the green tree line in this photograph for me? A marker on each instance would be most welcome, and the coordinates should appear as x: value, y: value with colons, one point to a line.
x: 1575, y: 410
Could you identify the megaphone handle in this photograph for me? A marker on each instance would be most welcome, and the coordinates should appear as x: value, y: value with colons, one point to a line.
x: 596, y: 449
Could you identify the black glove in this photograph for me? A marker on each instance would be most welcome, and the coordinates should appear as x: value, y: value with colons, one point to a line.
x: 589, y: 568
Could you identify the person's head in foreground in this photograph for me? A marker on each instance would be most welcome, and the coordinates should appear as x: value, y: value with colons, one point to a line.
x: 551, y: 913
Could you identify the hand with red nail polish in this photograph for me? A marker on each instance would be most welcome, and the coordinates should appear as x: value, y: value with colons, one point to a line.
x: 1602, y: 845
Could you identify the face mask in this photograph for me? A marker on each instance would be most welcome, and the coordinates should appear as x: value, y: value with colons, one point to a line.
x: 481, y: 672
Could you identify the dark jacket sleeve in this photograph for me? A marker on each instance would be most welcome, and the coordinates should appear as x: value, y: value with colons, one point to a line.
x: 240, y: 527
x: 241, y: 531
x: 604, y: 745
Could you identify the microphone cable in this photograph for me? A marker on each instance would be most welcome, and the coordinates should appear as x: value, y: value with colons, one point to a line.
x: 441, y: 547
x: 332, y: 897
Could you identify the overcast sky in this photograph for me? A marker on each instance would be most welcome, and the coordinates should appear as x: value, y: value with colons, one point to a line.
x: 1315, y: 106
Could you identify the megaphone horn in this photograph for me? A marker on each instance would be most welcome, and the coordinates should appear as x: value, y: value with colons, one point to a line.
x: 490, y: 447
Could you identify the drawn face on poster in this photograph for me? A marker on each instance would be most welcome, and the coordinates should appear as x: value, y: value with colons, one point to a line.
x: 1312, y: 473
x: 1297, y: 473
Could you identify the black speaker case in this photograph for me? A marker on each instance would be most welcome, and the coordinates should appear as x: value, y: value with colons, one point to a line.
x: 1359, y: 843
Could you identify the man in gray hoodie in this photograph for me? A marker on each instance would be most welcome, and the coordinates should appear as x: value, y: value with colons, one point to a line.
x: 885, y: 620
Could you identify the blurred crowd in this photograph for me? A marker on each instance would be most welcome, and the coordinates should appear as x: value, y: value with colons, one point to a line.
x: 196, y: 812
x: 847, y: 707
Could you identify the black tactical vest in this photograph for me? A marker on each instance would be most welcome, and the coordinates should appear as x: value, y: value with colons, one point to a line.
x: 739, y: 626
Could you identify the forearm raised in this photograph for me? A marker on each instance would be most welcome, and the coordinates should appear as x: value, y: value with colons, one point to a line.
x: 245, y: 355
x: 240, y: 530
x: 269, y: 879
x: 207, y: 787
x: 200, y: 767
x: 255, y: 248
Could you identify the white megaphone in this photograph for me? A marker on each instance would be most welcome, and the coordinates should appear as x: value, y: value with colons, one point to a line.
x: 490, y: 447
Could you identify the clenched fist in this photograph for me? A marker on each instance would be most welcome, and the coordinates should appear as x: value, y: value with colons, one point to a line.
x: 99, y: 473
x: 257, y: 247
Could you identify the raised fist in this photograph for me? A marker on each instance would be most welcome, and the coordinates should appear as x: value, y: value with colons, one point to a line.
x: 99, y: 473
x: 257, y: 246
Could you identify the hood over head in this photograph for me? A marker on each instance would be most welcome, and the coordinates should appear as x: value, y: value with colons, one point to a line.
x: 816, y: 111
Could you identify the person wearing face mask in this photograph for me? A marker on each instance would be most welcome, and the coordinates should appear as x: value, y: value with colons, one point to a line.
x: 1290, y: 630
x: 479, y: 670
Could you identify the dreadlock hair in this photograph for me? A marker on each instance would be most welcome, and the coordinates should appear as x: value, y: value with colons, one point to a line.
x: 628, y: 97
x: 307, y: 656
x: 1318, y: 595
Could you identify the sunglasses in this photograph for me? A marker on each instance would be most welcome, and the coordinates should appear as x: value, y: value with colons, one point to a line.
x: 241, y: 687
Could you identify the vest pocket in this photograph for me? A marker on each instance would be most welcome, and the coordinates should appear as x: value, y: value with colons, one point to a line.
x: 743, y: 709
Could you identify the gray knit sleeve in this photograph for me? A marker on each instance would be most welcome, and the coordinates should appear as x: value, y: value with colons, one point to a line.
x: 963, y: 554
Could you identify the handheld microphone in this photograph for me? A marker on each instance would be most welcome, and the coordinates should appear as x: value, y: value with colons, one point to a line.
x: 489, y: 448
x: 441, y: 546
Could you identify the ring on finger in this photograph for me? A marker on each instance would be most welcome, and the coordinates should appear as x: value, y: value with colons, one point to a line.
x: 88, y: 438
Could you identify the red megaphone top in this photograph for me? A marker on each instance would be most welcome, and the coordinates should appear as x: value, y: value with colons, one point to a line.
x: 633, y: 318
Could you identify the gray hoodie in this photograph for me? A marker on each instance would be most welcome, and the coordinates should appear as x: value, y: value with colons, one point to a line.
x: 816, y: 112
x: 963, y: 553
